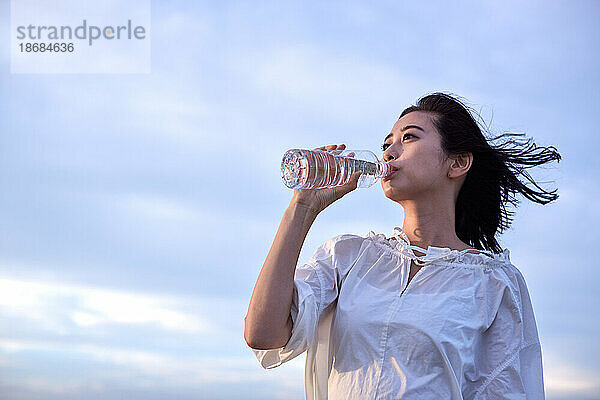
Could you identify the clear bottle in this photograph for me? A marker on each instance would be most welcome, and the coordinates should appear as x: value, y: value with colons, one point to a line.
x: 316, y: 169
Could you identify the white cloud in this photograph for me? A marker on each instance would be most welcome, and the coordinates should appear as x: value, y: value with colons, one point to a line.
x: 165, y: 212
x: 80, y: 311
x: 577, y: 192
x: 172, y: 370
x: 89, y: 306
x: 344, y: 86
x: 562, y: 378
x: 64, y: 387
x: 156, y: 207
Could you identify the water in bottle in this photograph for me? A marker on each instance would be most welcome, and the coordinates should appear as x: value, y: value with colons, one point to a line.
x: 316, y: 169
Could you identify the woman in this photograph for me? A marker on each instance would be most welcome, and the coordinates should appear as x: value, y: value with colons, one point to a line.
x: 437, y: 311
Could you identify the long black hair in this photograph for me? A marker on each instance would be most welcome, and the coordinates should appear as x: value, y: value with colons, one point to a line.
x: 493, y: 179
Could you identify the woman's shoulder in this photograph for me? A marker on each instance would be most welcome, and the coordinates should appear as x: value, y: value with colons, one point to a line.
x: 346, y: 236
x: 341, y: 243
x: 343, y: 240
x: 339, y: 251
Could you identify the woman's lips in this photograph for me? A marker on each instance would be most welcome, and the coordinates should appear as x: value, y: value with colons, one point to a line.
x: 389, y: 176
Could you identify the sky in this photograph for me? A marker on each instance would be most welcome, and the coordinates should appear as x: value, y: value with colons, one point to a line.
x: 137, y: 209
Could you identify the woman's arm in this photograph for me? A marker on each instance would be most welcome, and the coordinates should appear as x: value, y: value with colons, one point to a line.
x: 268, y: 323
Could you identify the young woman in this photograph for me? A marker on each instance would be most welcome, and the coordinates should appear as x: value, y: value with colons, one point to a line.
x: 436, y: 312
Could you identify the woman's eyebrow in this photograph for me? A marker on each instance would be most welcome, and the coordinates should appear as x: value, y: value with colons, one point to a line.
x: 403, y: 129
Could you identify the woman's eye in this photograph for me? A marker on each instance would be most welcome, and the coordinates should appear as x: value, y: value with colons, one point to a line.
x: 386, y: 145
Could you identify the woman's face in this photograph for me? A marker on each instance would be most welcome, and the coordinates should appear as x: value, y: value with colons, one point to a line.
x: 414, y: 149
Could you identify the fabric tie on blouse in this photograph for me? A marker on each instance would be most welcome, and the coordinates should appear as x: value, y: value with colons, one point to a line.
x: 432, y: 253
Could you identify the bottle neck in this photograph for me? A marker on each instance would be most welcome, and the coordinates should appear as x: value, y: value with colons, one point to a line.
x: 383, y: 169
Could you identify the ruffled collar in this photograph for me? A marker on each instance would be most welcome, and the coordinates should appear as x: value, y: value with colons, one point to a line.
x: 433, y: 253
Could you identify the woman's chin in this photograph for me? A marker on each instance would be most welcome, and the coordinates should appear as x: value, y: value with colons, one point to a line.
x: 387, y: 185
x: 393, y: 192
x: 388, y: 189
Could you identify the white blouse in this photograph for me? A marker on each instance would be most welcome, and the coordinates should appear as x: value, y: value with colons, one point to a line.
x: 463, y: 328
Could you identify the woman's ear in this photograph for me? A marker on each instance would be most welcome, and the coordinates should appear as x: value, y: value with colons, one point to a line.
x: 460, y: 165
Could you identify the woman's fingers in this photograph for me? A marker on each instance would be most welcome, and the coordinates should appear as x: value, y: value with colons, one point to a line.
x: 331, y: 147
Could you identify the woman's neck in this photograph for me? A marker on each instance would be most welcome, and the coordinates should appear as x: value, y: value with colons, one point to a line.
x: 431, y: 226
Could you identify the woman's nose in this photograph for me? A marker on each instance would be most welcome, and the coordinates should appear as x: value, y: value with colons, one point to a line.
x: 388, y: 156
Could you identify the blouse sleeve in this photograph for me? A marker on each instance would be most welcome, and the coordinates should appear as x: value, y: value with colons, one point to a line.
x: 510, y: 356
x: 316, y: 286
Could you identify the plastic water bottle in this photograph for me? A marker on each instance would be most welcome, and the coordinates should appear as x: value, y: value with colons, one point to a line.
x: 316, y: 169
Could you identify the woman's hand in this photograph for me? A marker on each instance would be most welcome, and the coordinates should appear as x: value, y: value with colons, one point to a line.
x: 319, y: 199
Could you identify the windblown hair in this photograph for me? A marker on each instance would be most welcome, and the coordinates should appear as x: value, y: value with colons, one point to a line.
x: 493, y: 179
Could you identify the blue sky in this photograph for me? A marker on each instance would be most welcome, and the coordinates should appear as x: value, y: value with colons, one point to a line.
x: 137, y: 209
